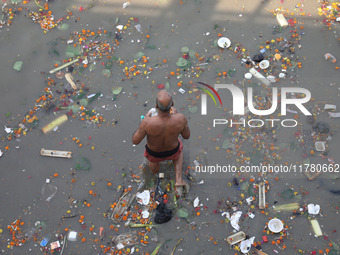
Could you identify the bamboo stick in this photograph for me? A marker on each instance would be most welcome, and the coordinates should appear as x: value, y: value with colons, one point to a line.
x: 69, y: 78
x: 63, y: 66
x: 50, y: 126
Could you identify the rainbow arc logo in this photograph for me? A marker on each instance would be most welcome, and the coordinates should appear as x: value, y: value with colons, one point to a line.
x: 209, y: 93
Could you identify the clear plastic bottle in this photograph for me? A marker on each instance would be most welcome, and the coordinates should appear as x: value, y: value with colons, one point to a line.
x: 48, y: 191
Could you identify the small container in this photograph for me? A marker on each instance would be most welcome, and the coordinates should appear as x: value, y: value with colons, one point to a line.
x: 282, y: 75
x: 264, y: 64
x: 320, y: 146
x: 224, y: 42
x: 72, y: 236
x: 248, y: 76
x: 236, y: 238
x: 55, y: 245
x: 275, y: 225
x: 265, y: 239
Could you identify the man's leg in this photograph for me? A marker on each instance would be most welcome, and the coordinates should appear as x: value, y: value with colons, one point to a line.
x: 178, y: 170
x: 154, y: 167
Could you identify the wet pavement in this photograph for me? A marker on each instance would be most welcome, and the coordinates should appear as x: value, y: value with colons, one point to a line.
x: 126, y: 55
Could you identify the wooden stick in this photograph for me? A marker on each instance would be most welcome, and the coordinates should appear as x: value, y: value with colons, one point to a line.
x: 55, y: 153
x: 260, y: 252
x: 173, y: 250
x: 60, y: 120
x: 69, y: 78
x: 65, y: 65
x: 262, y: 196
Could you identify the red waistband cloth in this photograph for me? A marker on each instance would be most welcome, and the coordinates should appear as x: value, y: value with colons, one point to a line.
x: 174, y: 156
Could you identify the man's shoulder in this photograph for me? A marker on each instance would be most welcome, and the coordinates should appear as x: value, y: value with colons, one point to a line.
x: 179, y: 116
x: 150, y: 121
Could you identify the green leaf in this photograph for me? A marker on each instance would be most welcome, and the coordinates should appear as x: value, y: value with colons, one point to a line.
x: 63, y: 27
x: 139, y: 55
x: 185, y: 50
x: 167, y: 85
x: 225, y: 144
x: 71, y: 50
x: 117, y: 90
x: 287, y: 194
x: 17, y: 65
x: 106, y: 72
x: 181, y: 62
x: 193, y: 109
x: 192, y: 53
x: 183, y: 213
x: 83, y: 102
x: 335, y: 246
x: 151, y: 46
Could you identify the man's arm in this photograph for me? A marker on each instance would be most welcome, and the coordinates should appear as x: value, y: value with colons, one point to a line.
x: 139, y: 134
x: 186, y: 131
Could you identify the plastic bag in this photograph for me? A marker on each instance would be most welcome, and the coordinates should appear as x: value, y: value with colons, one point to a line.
x: 163, y: 214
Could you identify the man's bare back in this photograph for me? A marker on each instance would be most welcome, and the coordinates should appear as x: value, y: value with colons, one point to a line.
x: 162, y: 133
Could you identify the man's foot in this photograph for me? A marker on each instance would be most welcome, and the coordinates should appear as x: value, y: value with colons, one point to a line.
x: 182, y: 189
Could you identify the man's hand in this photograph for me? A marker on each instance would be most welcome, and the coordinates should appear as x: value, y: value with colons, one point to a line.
x: 140, y: 133
x: 173, y: 110
x: 148, y: 115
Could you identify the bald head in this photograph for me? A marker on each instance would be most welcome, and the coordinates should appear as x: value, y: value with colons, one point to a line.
x: 164, y: 101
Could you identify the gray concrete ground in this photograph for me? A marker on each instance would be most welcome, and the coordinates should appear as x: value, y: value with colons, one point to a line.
x: 167, y: 26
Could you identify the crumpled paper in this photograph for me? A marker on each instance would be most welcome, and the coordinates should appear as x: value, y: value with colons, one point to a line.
x: 245, y: 245
x: 196, y: 202
x: 313, y: 209
x: 145, y: 214
x: 234, y: 219
x: 143, y: 197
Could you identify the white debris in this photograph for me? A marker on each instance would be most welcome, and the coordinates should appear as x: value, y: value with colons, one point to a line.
x: 334, y: 114
x: 313, y: 209
x: 196, y: 202
x: 182, y: 91
x: 245, y: 245
x: 329, y: 107
x: 120, y: 27
x: 249, y: 200
x: 126, y: 4
x: 138, y: 28
x: 143, y: 197
x: 234, y: 219
x: 8, y: 130
x: 120, y: 246
x: 145, y: 214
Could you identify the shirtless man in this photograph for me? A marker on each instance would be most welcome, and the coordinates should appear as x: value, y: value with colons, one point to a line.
x: 162, y: 131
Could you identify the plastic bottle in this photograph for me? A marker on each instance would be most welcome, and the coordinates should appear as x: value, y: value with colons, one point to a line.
x: 282, y: 20
x: 159, y: 186
x: 262, y: 51
x: 48, y: 191
x: 45, y: 240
